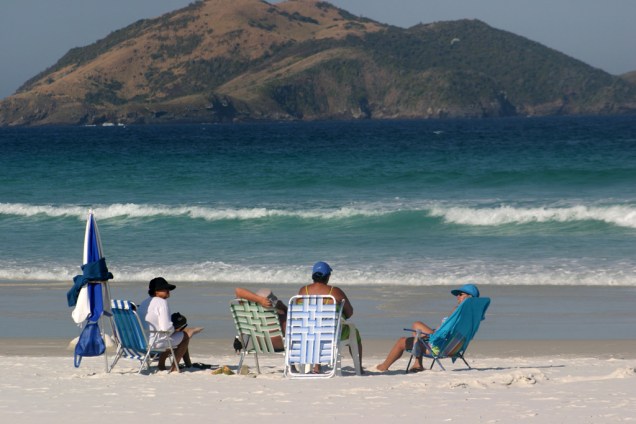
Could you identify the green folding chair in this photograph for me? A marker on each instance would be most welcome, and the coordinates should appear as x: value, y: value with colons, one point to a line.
x: 257, y: 328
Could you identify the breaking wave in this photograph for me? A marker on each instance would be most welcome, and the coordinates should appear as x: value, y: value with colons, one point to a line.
x: 443, y: 273
x: 616, y: 215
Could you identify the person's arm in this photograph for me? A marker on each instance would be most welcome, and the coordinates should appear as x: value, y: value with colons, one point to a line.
x: 347, y: 311
x: 252, y: 297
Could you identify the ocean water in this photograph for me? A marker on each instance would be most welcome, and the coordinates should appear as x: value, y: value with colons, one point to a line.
x: 524, y: 201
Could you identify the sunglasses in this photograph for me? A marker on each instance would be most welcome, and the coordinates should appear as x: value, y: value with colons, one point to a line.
x: 461, y: 294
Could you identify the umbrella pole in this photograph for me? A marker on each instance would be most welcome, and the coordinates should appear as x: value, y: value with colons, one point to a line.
x: 107, y: 312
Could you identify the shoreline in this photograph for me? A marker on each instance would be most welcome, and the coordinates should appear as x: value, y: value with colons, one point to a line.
x: 202, y: 347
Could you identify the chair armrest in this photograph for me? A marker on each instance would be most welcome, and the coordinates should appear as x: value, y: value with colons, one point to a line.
x: 418, y: 333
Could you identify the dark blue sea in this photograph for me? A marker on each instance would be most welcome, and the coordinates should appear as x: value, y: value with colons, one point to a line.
x: 507, y: 202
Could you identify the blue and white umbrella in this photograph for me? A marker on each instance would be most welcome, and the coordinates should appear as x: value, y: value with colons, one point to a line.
x: 93, y: 253
x: 89, y: 294
x: 94, y: 277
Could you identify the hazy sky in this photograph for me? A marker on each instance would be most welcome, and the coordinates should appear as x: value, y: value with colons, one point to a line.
x: 34, y: 34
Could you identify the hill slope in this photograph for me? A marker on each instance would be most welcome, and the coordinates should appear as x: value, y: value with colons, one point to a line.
x: 630, y: 77
x: 222, y: 60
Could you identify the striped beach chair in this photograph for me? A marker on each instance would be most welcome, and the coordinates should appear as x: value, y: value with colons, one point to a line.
x: 313, y: 335
x: 256, y: 328
x: 452, y: 338
x: 132, y: 339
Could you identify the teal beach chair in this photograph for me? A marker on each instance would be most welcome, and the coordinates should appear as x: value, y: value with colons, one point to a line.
x: 452, y: 338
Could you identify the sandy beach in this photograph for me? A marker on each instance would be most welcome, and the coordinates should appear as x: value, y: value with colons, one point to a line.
x: 531, y: 362
x: 530, y: 381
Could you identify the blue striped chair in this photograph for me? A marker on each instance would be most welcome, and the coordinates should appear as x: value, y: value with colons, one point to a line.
x: 256, y: 328
x: 313, y: 336
x: 132, y: 339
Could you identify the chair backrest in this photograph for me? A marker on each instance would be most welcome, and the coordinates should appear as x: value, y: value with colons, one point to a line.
x: 129, y: 330
x: 454, y: 335
x: 261, y: 324
x: 313, y: 330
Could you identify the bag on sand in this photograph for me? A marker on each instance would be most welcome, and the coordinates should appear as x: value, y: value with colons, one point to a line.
x: 90, y: 343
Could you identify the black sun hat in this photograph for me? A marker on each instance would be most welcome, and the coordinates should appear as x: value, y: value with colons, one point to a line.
x: 160, y: 283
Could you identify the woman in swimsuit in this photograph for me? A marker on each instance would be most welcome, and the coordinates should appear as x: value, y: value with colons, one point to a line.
x: 320, y: 276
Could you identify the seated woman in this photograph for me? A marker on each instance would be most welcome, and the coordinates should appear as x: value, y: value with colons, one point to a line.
x: 267, y: 299
x: 155, y: 313
x: 406, y: 343
x: 321, y: 273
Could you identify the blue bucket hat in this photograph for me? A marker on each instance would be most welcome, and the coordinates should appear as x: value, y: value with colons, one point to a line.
x: 470, y: 289
x: 321, y: 268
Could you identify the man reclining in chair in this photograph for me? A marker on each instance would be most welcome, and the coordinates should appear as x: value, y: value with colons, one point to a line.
x: 267, y: 299
x: 406, y: 343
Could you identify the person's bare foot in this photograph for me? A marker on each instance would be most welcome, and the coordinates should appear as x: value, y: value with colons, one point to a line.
x: 191, y: 331
x: 378, y: 368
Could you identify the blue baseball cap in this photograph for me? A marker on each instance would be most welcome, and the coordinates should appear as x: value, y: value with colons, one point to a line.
x: 321, y: 268
x: 470, y: 289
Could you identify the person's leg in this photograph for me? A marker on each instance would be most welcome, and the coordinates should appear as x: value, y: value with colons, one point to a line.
x: 396, y: 353
x: 419, y: 325
x: 191, y: 331
x: 401, y: 346
x: 186, y: 359
x: 162, y: 360
x: 181, y: 351
x: 425, y: 329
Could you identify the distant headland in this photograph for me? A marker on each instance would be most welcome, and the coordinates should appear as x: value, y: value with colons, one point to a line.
x: 245, y: 60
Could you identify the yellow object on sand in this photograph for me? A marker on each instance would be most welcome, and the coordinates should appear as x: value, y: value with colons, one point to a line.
x: 223, y: 370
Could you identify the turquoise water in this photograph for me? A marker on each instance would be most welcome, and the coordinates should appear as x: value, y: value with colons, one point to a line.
x: 546, y: 201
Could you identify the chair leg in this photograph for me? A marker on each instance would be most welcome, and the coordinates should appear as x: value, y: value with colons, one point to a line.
x: 355, y: 353
x: 352, y: 344
x: 118, y: 355
x: 408, y: 365
x: 438, y: 363
x: 258, y: 367
x: 145, y: 362
x: 467, y: 364
x: 174, y: 362
x: 245, y: 340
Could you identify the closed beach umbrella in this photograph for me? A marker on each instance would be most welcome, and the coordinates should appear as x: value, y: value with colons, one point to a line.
x: 93, y: 253
x: 93, y: 281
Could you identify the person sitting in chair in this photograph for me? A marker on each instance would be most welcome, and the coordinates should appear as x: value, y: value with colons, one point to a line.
x: 155, y: 315
x: 406, y: 343
x: 267, y: 299
x: 321, y: 273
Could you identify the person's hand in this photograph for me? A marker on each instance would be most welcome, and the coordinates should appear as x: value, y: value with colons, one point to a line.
x: 265, y: 302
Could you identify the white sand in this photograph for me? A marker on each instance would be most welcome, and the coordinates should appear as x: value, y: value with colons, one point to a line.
x: 567, y: 388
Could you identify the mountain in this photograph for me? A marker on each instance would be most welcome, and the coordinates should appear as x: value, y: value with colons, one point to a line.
x: 225, y: 60
x: 630, y: 77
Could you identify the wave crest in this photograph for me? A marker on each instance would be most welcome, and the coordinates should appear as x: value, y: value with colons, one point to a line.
x: 622, y: 216
x: 131, y: 210
x: 618, y: 215
x: 448, y: 274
